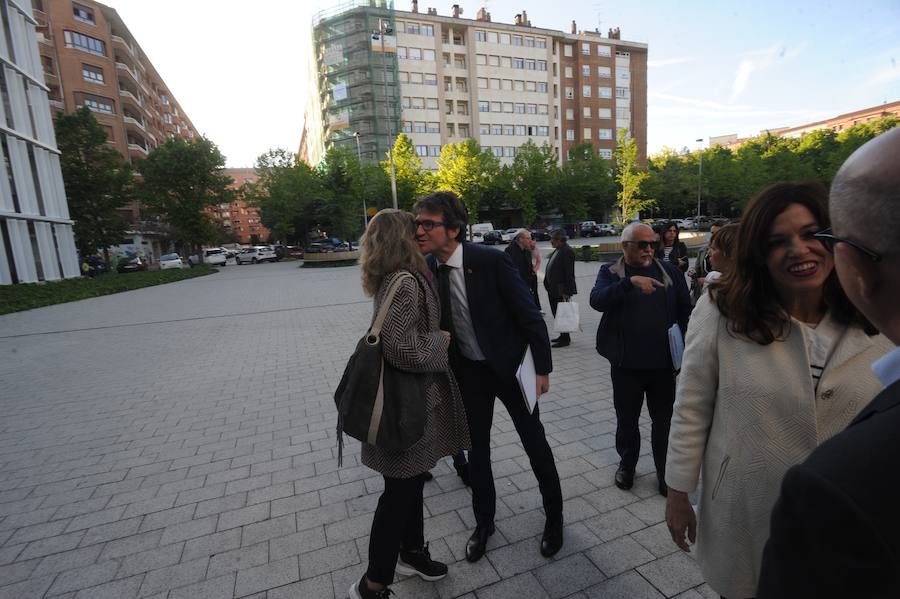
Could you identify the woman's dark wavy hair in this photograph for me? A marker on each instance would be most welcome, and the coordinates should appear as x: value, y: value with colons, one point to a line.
x: 746, y: 296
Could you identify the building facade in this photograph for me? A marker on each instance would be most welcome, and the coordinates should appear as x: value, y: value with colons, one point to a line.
x: 239, y: 218
x: 36, y: 239
x: 444, y: 79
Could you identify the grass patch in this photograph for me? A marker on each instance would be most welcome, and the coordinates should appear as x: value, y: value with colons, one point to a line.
x: 15, y: 298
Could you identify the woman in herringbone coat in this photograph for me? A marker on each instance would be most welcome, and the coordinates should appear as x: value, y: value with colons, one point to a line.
x: 411, y: 341
x: 776, y: 362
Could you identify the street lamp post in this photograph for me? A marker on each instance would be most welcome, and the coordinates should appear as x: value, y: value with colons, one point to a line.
x: 382, y: 31
x: 699, y: 177
x: 359, y: 160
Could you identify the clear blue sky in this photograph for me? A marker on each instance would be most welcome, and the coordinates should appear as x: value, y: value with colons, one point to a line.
x: 715, y: 67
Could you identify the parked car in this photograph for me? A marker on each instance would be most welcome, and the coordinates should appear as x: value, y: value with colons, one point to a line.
x: 255, y: 254
x: 508, y: 235
x: 607, y: 230
x: 295, y: 251
x: 131, y: 264
x: 215, y: 256
x: 589, y: 228
x: 168, y: 261
x: 540, y: 234
x: 477, y: 237
x: 325, y: 244
x: 492, y: 238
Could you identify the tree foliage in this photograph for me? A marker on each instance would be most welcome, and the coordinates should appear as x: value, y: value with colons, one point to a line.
x: 468, y: 171
x: 97, y: 180
x: 180, y: 179
x: 412, y: 179
x: 629, y: 176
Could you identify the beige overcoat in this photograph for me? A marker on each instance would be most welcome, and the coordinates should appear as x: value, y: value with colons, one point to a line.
x: 745, y: 413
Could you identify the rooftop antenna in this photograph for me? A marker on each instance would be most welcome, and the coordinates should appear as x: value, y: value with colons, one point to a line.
x: 598, y: 8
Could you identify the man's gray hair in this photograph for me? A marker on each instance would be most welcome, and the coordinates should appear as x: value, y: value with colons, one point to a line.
x: 628, y: 231
x: 520, y: 232
x: 865, y: 196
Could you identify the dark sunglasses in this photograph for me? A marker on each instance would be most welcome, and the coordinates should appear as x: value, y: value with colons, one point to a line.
x: 644, y: 245
x: 828, y: 241
x: 428, y: 225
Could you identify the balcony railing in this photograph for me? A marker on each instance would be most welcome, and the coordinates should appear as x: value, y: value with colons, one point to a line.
x: 127, y: 94
x: 120, y: 40
x: 132, y: 121
x: 124, y: 67
x: 138, y: 148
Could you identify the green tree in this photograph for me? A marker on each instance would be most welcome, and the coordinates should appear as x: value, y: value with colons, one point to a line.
x: 467, y: 171
x: 585, y: 187
x: 412, y: 179
x: 346, y: 184
x: 180, y: 179
x: 533, y: 174
x: 672, y: 183
x: 629, y: 177
x: 284, y: 191
x: 97, y: 181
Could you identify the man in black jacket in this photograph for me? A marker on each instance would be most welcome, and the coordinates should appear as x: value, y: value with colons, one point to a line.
x: 519, y: 250
x: 559, y: 278
x: 836, y: 525
x: 492, y: 319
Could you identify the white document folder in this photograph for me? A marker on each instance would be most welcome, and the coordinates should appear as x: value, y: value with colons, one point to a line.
x: 527, y: 378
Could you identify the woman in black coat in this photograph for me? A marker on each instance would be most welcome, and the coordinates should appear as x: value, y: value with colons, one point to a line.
x: 670, y: 248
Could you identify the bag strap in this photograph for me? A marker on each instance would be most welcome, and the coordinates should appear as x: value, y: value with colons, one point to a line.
x: 375, y: 329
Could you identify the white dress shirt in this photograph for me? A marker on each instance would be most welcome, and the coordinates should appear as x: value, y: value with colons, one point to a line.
x: 462, y: 320
x: 887, y: 368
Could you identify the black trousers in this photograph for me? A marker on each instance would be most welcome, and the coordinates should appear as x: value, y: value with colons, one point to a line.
x: 629, y: 388
x: 398, y: 524
x: 554, y: 301
x: 479, y: 386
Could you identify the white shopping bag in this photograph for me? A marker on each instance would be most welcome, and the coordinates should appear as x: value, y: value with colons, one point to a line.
x: 567, y: 318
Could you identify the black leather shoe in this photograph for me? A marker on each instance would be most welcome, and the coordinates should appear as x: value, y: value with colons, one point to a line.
x: 477, y: 544
x: 560, y: 344
x: 552, y: 540
x: 624, y: 478
x: 557, y: 340
x: 462, y: 471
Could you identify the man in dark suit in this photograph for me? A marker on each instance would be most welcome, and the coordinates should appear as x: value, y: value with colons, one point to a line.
x: 519, y: 250
x: 492, y: 319
x: 559, y: 278
x: 836, y: 525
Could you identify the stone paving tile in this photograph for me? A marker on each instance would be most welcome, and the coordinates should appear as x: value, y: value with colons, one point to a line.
x: 221, y: 479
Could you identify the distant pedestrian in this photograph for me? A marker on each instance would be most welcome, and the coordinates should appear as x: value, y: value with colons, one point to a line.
x: 697, y: 273
x: 519, y: 250
x: 641, y: 297
x: 836, y: 526
x: 721, y: 253
x: 411, y: 341
x: 670, y: 248
x: 559, y: 278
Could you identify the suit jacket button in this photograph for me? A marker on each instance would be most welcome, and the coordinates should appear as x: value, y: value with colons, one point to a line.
x: 828, y: 394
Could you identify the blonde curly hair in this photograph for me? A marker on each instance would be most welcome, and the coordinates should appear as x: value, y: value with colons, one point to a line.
x: 388, y: 245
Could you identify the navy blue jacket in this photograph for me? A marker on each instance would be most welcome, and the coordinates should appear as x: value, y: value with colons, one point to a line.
x: 504, y: 315
x: 610, y: 294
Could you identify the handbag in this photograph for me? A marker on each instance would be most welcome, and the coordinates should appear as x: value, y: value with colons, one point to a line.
x: 377, y: 403
x: 568, y: 318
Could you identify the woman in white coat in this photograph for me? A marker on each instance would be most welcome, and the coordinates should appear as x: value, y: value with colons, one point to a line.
x: 776, y: 362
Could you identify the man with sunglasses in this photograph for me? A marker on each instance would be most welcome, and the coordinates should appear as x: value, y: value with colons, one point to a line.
x: 641, y: 297
x: 492, y: 318
x: 836, y: 526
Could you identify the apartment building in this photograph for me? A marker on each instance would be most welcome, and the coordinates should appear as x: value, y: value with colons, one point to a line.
x: 238, y: 217
x: 36, y: 240
x: 443, y: 79
x: 90, y: 58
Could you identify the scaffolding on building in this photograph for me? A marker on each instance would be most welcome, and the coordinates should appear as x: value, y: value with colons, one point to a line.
x: 357, y: 82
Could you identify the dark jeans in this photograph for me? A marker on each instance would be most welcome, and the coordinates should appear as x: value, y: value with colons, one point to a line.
x: 629, y: 388
x: 398, y: 524
x: 554, y: 301
x: 479, y: 386
x: 533, y: 285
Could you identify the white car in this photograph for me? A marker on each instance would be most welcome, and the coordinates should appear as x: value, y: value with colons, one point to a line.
x: 170, y: 261
x: 507, y: 235
x: 215, y: 257
x: 259, y: 253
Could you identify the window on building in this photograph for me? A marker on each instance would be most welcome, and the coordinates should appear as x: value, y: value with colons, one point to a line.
x: 415, y: 78
x: 519, y: 109
x: 529, y: 65
x: 507, y: 107
x: 481, y: 59
x: 623, y: 74
x: 410, y: 28
x: 167, y: 118
x: 570, y: 114
x: 586, y: 133
x: 517, y: 40
x: 586, y: 91
x: 417, y: 103
x: 586, y: 112
x: 428, y: 55
x: 605, y: 153
x: 604, y: 113
x: 531, y: 109
x: 570, y: 93
x: 98, y: 103
x: 567, y: 50
x: 508, y: 130
x: 480, y: 36
x: 519, y: 129
x: 518, y: 63
x: 509, y: 151
x: 451, y: 130
x: 504, y: 38
x: 604, y: 92
x: 543, y: 109
x: 506, y: 85
x: 431, y: 103
x: 429, y: 78
x: 432, y: 128
x: 484, y: 129
x: 496, y: 130
x: 422, y: 151
x: 621, y: 92
x: 506, y: 62
x: 570, y: 134
x: 462, y: 107
x: 496, y: 106
x: 405, y: 102
x: 406, y: 126
x: 623, y: 113
x: 604, y: 50
x: 482, y: 83
x: 83, y: 14
x: 484, y: 106
x: 568, y: 72
x: 543, y: 130
x: 414, y: 53
x: 448, y: 106
x: 585, y: 70
x: 497, y: 151
x: 403, y: 77
x: 459, y: 61
x: 495, y: 84
x: 463, y: 130
x: 542, y: 86
x: 518, y: 86
x: 92, y: 73
x: 540, y: 42
x: 434, y: 151
x: 530, y: 86
x: 402, y: 52
x: 492, y: 37
x: 586, y: 48
x: 84, y: 42
x: 428, y: 30
x: 493, y: 60
x: 542, y: 65
x: 604, y: 133
x: 604, y: 72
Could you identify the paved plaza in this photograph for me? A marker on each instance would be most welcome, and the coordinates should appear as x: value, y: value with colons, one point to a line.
x: 179, y: 442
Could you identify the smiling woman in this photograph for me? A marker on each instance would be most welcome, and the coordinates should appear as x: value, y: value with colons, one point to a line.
x: 776, y: 362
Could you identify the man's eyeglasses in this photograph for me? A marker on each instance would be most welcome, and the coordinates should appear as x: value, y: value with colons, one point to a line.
x: 828, y: 241
x: 644, y: 245
x: 428, y: 224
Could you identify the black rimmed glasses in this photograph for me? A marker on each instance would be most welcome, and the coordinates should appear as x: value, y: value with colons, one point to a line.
x: 644, y: 245
x: 829, y: 239
x: 429, y: 224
